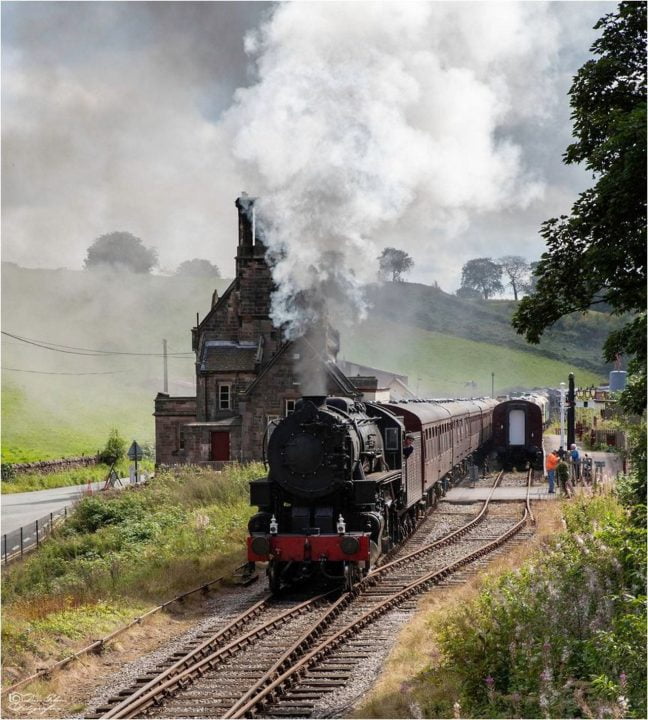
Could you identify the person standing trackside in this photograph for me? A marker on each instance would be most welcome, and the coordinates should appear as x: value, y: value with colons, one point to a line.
x: 576, y: 463
x: 551, y: 465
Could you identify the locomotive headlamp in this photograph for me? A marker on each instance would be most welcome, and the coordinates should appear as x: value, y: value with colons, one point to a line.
x: 349, y: 545
x: 261, y: 545
x: 341, y: 525
x: 274, y: 526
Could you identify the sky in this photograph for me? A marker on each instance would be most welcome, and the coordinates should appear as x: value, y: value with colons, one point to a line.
x: 437, y: 128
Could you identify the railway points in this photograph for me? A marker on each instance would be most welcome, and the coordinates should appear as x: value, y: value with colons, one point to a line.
x: 248, y: 666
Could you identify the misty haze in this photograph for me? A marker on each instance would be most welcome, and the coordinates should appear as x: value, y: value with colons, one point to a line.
x: 312, y: 311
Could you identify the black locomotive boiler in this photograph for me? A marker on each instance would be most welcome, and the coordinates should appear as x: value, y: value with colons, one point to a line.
x: 340, y: 489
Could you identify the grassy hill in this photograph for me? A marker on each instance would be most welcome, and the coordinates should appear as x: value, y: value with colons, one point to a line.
x: 443, y: 365
x: 575, y: 339
x: 53, y: 415
x: 414, y: 329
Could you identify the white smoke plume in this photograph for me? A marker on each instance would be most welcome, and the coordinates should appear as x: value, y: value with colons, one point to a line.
x: 365, y: 116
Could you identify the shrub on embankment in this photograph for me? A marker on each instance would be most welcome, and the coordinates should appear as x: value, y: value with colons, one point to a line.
x: 563, y: 636
x: 123, y: 551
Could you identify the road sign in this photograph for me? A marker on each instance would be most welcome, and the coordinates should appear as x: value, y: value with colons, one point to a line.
x: 135, y: 452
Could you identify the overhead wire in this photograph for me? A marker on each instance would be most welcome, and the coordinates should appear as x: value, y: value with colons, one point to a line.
x: 72, y: 350
x: 43, y: 372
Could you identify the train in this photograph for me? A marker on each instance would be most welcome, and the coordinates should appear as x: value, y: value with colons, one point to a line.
x: 518, y: 425
x: 349, y: 480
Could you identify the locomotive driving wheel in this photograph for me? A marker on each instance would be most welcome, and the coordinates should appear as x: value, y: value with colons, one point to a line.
x: 352, y: 575
x: 274, y: 577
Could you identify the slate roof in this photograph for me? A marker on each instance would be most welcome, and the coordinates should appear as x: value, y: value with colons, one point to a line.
x: 225, y: 422
x: 385, y: 377
x: 230, y: 356
x: 365, y: 382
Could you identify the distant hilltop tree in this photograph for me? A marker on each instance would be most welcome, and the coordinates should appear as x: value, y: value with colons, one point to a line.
x: 395, y: 262
x: 198, y: 268
x: 517, y: 270
x: 468, y: 293
x: 484, y: 275
x: 121, y: 250
x: 531, y: 283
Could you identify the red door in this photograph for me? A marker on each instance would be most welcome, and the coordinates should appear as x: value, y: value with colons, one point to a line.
x: 220, y: 446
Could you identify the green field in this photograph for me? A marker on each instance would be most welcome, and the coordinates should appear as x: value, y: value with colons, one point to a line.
x: 48, y: 416
x: 65, y: 402
x: 442, y: 365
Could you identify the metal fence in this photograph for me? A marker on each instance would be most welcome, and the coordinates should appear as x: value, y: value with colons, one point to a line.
x: 18, y: 542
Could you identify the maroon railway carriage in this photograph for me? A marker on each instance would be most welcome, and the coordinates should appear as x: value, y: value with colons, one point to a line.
x: 517, y: 433
x: 445, y: 434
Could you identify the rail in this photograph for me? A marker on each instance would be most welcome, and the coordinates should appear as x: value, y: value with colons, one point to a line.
x: 298, y: 659
x: 98, y: 645
x: 202, y: 659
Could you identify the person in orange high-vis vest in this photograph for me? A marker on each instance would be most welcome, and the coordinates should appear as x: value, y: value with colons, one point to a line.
x: 551, y: 464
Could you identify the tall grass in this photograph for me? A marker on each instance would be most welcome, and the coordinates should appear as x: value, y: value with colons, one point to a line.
x: 561, y: 636
x: 129, y: 549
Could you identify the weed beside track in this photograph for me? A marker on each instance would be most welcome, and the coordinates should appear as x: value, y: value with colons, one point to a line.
x: 119, y: 554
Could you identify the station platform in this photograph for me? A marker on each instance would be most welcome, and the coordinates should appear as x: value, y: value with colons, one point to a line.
x: 464, y: 493
x: 461, y: 495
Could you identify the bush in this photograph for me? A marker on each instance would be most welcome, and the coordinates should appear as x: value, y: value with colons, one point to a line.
x: 8, y: 472
x: 114, y: 450
x: 144, y: 543
x: 98, y: 511
x: 564, y: 636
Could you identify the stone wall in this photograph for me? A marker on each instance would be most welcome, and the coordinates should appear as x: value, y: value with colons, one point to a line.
x: 171, y: 413
x: 50, y: 466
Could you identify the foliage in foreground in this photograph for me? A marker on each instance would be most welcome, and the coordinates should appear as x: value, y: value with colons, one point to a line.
x: 563, y: 636
x: 126, y: 549
x: 598, y: 253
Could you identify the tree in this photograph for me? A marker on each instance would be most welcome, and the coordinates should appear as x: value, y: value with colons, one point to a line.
x: 484, y: 275
x: 517, y: 270
x: 198, y: 268
x: 597, y: 254
x: 114, y: 450
x: 468, y: 293
x: 121, y: 250
x: 531, y: 282
x: 396, y: 262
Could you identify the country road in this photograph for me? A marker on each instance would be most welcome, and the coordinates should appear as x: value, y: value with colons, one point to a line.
x: 20, y: 509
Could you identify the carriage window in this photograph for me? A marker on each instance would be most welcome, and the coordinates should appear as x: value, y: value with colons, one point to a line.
x: 391, y: 439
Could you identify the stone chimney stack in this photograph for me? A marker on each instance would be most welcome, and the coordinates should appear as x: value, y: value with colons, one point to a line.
x: 253, y: 278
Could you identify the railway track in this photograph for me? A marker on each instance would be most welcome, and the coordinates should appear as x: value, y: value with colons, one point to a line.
x: 282, y: 657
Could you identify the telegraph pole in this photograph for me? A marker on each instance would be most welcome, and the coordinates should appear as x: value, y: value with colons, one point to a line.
x: 562, y: 414
x: 166, y: 366
x: 571, y: 412
x: 492, y: 384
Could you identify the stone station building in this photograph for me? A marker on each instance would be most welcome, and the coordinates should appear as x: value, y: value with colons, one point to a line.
x: 246, y: 375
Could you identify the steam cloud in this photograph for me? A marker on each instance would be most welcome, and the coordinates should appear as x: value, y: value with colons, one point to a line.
x: 365, y: 114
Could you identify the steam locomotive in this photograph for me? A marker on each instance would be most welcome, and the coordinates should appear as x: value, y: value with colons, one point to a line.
x: 349, y: 480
